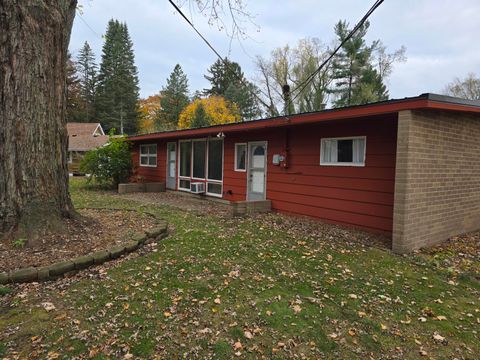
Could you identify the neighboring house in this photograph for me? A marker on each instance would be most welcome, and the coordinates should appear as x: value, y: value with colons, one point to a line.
x: 409, y: 168
x: 83, y: 137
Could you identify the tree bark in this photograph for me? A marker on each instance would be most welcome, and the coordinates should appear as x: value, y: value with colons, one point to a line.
x: 34, y: 37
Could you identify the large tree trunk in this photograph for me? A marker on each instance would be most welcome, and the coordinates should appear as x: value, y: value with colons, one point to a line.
x: 34, y: 37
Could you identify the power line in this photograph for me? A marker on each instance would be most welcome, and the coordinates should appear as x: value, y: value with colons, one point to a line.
x: 85, y: 22
x: 305, y: 82
x: 220, y: 57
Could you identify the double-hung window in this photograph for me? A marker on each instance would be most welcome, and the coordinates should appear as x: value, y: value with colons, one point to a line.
x: 148, y: 155
x: 349, y: 151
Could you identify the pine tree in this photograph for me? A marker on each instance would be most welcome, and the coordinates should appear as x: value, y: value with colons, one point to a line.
x: 200, y: 118
x: 117, y: 89
x: 174, y: 99
x: 87, y: 70
x: 75, y: 111
x: 227, y: 80
x: 349, y: 64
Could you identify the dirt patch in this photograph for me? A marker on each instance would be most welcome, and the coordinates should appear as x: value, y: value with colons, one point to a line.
x: 95, y: 229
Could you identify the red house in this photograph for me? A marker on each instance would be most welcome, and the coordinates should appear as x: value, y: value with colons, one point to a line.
x: 409, y: 168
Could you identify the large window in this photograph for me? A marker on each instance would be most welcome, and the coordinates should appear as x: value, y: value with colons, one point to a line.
x: 343, y: 151
x: 200, y: 160
x: 240, y: 157
x: 148, y: 155
x: 215, y: 160
x: 199, y: 155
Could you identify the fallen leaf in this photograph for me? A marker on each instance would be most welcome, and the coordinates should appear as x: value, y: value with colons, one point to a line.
x: 248, y: 334
x: 237, y: 345
x: 297, y: 309
x: 48, y: 306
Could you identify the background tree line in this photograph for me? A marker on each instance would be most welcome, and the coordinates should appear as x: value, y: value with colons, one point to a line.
x: 108, y: 93
x: 358, y: 74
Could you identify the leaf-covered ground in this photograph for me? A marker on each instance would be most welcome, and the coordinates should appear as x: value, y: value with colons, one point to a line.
x: 269, y: 286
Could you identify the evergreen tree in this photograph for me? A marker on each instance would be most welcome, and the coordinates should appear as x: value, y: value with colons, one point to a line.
x: 117, y: 88
x: 87, y: 70
x: 370, y: 88
x: 200, y: 118
x: 75, y: 111
x: 349, y: 64
x: 227, y: 80
x: 174, y: 99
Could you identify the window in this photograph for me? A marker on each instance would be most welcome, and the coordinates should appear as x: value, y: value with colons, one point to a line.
x: 343, y: 151
x: 148, y: 155
x: 240, y: 157
x: 185, y: 158
x: 215, y: 160
x: 184, y: 184
x: 200, y: 159
x: 199, y: 152
x: 214, y: 189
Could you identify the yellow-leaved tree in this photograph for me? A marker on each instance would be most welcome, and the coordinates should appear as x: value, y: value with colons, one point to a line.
x: 213, y: 110
x: 148, y: 109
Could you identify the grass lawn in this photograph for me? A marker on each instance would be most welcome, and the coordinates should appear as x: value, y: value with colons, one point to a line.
x: 247, y: 287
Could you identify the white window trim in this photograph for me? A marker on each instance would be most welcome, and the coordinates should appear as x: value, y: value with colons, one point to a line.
x: 352, y: 164
x: 206, y: 180
x: 206, y: 158
x: 179, y: 165
x: 223, y: 160
x: 214, y: 194
x: 147, y: 155
x: 235, y: 159
x: 214, y: 181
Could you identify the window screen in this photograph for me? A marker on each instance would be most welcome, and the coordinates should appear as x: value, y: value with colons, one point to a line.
x: 199, y: 151
x: 215, y: 159
x: 185, y: 158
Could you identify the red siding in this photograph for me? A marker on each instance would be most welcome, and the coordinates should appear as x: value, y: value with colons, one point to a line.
x: 358, y: 196
x: 150, y: 174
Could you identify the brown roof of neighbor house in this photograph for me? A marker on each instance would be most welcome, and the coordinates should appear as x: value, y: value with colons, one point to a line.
x: 423, y: 101
x: 75, y: 128
x: 82, y: 136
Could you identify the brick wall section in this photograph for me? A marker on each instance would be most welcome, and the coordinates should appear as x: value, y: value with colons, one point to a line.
x: 437, y: 180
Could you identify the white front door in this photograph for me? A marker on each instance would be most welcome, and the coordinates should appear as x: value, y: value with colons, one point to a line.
x: 171, y: 165
x: 256, y: 177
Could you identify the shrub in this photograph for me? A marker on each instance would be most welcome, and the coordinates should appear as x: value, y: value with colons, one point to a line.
x: 110, y: 164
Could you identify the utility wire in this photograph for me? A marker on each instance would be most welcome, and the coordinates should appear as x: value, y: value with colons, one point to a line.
x: 86, y: 24
x: 305, y: 82
x: 220, y: 56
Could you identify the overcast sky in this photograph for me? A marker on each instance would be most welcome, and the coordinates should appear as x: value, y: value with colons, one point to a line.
x: 441, y: 37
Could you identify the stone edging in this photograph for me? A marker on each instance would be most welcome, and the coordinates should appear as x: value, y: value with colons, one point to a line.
x: 50, y: 272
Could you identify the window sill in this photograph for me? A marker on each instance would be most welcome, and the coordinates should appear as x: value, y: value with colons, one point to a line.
x: 343, y: 164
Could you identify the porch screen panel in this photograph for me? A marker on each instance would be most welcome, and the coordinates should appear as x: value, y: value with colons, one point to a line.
x: 199, y: 151
x: 185, y: 158
x: 215, y: 160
